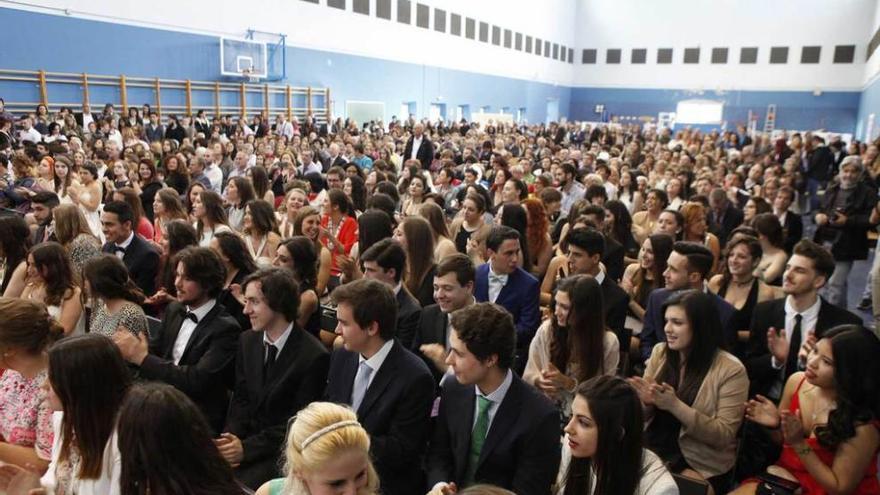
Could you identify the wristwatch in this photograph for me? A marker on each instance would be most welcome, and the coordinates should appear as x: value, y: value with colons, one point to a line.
x: 803, y: 450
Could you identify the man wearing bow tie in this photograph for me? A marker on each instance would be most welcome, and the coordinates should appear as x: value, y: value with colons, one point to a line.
x: 195, y: 348
x: 139, y: 256
x: 503, y: 282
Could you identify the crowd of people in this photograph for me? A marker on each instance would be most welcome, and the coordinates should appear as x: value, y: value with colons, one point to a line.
x: 219, y: 305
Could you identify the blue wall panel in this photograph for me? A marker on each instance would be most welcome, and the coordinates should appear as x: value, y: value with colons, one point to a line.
x: 801, y: 110
x: 868, y: 104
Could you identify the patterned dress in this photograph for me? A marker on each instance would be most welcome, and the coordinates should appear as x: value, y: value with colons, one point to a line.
x: 25, y: 417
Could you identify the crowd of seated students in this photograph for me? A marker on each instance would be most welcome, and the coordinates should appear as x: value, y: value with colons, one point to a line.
x: 228, y: 306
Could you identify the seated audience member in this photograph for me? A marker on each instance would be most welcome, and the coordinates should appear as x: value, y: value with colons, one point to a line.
x: 279, y: 369
x: 416, y: 237
x: 178, y: 235
x: 298, y: 254
x: 52, y: 282
x: 603, y: 450
x: 792, y: 223
x: 15, y: 242
x: 739, y: 286
x: 827, y: 420
x: 42, y: 204
x: 573, y: 346
x: 140, y: 257
x: 115, y: 299
x: 492, y: 427
x: 239, y: 265
x: 781, y: 328
x: 156, y: 417
x: 207, y: 209
x: 327, y: 451
x: 195, y: 348
x: 389, y: 388
x: 308, y: 224
x: 585, y: 248
x: 261, y: 232
x: 843, y: 222
x: 140, y: 223
x: 687, y: 268
x: 773, y: 258
x: 613, y: 253
x: 470, y: 228
x: 72, y: 231
x: 724, y: 216
x: 642, y: 277
x: 503, y: 282
x: 385, y: 261
x: 670, y: 222
x: 453, y: 290
x: 693, y: 393
x: 87, y: 382
x: 339, y: 229
x: 696, y: 230
x: 26, y: 332
x: 167, y: 207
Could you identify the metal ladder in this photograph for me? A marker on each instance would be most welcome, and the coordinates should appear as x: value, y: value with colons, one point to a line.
x: 770, y: 118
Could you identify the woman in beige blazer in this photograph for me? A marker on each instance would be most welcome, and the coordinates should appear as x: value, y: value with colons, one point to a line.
x: 693, y: 393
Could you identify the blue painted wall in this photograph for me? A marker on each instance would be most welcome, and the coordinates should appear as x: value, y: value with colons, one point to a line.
x: 834, y: 111
x: 69, y: 45
x: 868, y: 104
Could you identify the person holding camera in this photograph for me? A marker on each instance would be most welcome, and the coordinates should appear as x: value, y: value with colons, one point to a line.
x: 843, y: 222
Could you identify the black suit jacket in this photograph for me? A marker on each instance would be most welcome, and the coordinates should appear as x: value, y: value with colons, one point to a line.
x: 395, y: 411
x: 78, y: 116
x: 820, y: 163
x: 616, y: 302
x: 425, y: 153
x: 205, y: 362
x: 612, y: 258
x: 522, y: 449
x: 259, y: 412
x: 732, y: 218
x: 142, y: 261
x: 769, y: 314
x: 408, y: 314
x: 794, y: 230
x: 431, y: 330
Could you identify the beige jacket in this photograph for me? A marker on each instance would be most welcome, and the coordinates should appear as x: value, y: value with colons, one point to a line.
x: 709, y: 444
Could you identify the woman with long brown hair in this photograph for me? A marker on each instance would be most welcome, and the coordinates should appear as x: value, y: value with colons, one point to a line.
x: 210, y: 216
x: 15, y: 241
x: 308, y: 224
x: 540, y: 246
x: 416, y: 237
x: 72, y: 231
x: 52, y: 282
x: 166, y: 207
x: 116, y: 300
x: 443, y: 245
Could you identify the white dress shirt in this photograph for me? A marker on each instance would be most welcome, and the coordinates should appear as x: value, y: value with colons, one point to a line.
x: 188, y: 327
x: 495, y: 285
x: 496, y: 397
x: 417, y: 143
x: 215, y: 176
x: 124, y: 245
x: 279, y: 342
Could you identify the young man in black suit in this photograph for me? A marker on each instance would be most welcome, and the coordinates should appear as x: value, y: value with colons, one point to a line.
x: 385, y: 262
x: 453, y: 290
x: 492, y: 427
x: 139, y: 256
x: 279, y: 369
x: 724, y: 216
x: 585, y: 249
x: 195, y: 348
x: 613, y: 254
x: 792, y: 223
x: 389, y: 387
x: 42, y: 204
x: 784, y: 328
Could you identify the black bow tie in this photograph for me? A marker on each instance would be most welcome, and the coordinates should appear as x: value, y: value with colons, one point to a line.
x: 117, y: 248
x: 189, y: 315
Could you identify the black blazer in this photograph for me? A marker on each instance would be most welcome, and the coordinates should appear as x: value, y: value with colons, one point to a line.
x: 395, y: 411
x: 205, y: 362
x: 850, y: 242
x: 793, y: 229
x: 258, y: 412
x: 732, y: 218
x: 522, y: 448
x: 768, y: 314
x: 425, y: 153
x: 408, y: 314
x: 613, y: 258
x: 431, y: 330
x: 616, y: 303
x: 142, y: 261
x: 78, y: 116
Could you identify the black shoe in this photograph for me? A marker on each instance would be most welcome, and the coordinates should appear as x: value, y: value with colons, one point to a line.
x: 865, y: 304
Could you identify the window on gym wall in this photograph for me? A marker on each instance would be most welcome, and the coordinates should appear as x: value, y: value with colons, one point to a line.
x: 699, y: 112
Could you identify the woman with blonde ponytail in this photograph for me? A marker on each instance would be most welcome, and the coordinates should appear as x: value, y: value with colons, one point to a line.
x: 328, y: 452
x: 26, y: 332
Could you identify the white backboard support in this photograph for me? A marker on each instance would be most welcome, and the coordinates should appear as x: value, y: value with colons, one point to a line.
x: 240, y: 57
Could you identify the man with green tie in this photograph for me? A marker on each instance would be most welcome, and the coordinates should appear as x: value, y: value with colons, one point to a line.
x: 492, y: 427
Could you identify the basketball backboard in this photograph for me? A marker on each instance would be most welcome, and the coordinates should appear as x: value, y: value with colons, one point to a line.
x: 240, y: 57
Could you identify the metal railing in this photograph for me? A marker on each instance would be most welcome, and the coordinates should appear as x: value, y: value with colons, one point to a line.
x: 245, y: 99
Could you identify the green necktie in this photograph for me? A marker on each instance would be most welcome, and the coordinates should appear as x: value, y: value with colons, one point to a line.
x: 478, y: 438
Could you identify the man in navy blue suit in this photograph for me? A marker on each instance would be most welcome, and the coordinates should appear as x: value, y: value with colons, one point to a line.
x: 502, y: 281
x: 687, y: 268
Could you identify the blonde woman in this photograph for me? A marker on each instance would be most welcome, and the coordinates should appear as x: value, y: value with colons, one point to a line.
x: 327, y: 452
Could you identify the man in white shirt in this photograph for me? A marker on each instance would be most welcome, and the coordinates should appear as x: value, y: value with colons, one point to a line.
x: 215, y: 175
x: 571, y: 189
x: 195, y: 348
x: 309, y: 165
x: 283, y: 127
x: 28, y: 133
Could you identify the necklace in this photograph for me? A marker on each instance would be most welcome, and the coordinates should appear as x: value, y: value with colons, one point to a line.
x: 743, y: 284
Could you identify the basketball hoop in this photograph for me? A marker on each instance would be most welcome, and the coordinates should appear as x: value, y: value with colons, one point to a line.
x: 248, y: 75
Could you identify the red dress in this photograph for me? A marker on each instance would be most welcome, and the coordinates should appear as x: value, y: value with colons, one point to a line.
x: 792, y: 463
x: 347, y: 234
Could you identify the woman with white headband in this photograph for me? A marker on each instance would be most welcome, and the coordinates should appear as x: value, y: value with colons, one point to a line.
x: 328, y: 452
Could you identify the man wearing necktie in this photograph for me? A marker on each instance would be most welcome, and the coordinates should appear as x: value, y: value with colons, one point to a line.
x: 195, y: 344
x: 389, y: 387
x: 279, y: 369
x: 492, y: 427
x: 502, y: 281
x: 42, y: 204
x: 139, y: 256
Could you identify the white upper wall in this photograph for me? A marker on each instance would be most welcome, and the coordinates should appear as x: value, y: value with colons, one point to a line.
x: 680, y: 24
x: 872, y: 67
x: 318, y: 26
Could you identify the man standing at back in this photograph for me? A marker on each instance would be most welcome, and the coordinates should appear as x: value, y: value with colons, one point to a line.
x: 492, y: 427
x: 419, y: 147
x: 389, y: 388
